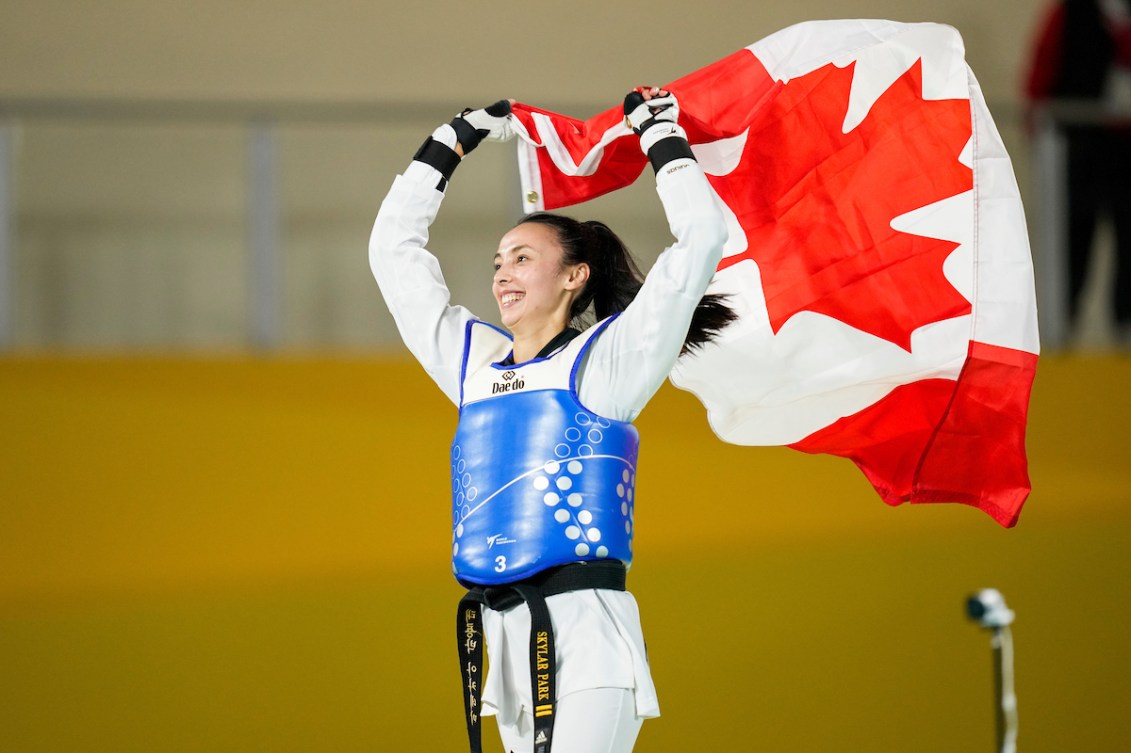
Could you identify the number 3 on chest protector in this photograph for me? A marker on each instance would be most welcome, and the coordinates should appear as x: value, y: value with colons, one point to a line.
x: 500, y: 563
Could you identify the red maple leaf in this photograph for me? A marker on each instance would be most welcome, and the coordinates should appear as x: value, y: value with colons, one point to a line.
x: 817, y: 204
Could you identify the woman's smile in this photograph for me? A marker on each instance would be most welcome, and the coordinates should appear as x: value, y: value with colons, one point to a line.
x: 529, y: 283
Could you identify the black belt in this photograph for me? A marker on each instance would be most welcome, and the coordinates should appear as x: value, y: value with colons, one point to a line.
x: 577, y: 576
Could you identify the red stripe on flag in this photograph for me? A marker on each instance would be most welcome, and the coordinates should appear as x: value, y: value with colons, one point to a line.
x: 887, y: 439
x: 717, y: 101
x: 942, y: 441
x: 620, y: 165
x: 977, y: 456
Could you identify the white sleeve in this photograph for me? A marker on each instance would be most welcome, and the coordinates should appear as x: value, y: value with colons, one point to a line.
x: 629, y: 361
x: 410, y: 278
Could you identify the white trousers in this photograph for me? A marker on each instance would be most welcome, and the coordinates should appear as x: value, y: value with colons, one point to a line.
x: 601, y: 720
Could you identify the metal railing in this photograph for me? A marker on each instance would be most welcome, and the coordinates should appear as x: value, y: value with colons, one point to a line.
x: 5, y: 235
x: 264, y: 218
x: 264, y: 126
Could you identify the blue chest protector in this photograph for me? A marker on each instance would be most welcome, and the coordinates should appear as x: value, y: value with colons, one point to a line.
x: 537, y: 479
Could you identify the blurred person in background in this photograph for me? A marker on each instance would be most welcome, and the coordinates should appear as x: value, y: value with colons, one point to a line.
x: 1080, y: 68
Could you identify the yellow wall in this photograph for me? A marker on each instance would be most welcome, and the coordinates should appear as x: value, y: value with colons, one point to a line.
x: 240, y: 554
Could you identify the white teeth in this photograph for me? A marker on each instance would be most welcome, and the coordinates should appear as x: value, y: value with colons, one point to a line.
x: 511, y: 298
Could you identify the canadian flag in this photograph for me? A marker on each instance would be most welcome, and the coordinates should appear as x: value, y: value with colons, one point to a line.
x: 877, y: 256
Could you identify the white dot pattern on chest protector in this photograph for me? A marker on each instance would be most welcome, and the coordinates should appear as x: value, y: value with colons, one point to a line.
x: 572, y: 453
x: 462, y: 490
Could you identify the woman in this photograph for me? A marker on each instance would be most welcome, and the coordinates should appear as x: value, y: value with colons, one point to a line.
x: 543, y: 462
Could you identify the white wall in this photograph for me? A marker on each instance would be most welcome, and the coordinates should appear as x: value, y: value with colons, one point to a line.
x: 130, y: 232
x: 584, y: 50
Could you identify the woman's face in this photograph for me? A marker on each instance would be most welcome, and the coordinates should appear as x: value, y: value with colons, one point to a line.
x: 532, y: 288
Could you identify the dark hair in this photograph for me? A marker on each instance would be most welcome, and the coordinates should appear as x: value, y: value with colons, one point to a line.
x: 614, y: 278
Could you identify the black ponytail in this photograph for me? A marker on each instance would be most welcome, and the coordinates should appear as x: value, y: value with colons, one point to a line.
x: 711, y: 316
x: 615, y: 279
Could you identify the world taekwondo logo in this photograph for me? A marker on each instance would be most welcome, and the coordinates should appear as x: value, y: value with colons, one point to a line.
x: 507, y: 385
x: 499, y: 539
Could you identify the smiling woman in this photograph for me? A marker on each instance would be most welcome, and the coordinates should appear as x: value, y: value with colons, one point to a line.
x: 544, y: 457
x: 535, y: 287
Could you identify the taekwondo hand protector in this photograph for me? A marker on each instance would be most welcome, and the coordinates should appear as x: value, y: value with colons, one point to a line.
x: 467, y: 129
x: 653, y: 119
x: 492, y: 123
